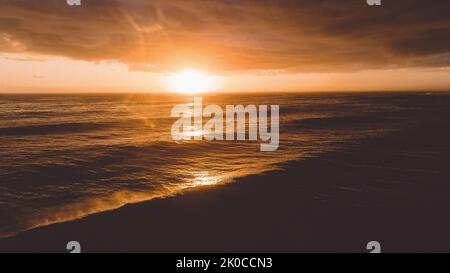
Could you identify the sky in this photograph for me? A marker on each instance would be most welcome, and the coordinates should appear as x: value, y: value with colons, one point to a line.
x: 243, y: 45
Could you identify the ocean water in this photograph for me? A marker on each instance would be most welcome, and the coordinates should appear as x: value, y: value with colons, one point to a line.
x: 63, y: 157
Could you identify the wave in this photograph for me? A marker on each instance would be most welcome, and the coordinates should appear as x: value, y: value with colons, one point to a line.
x: 45, y: 129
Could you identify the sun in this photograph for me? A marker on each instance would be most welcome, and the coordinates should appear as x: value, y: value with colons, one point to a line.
x: 190, y: 81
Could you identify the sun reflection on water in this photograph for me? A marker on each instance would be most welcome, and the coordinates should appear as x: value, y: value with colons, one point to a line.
x: 205, y: 179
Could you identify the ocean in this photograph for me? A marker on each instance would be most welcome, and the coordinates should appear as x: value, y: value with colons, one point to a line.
x: 63, y: 157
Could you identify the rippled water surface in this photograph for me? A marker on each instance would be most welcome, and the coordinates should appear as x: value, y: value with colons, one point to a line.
x: 65, y: 156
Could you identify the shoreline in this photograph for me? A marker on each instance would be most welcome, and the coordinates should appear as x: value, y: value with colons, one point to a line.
x: 392, y: 189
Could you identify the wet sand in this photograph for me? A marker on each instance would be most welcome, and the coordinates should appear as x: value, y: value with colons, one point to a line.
x: 393, y: 189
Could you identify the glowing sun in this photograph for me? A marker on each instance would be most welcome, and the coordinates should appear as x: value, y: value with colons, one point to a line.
x: 190, y: 81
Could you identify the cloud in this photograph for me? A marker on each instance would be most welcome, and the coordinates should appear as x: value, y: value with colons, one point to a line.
x: 24, y: 59
x: 233, y: 35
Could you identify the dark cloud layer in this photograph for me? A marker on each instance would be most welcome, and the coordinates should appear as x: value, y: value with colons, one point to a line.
x: 300, y: 35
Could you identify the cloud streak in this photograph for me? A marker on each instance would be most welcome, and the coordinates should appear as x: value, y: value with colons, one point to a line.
x: 232, y: 35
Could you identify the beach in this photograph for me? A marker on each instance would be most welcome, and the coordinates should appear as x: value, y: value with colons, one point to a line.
x: 392, y: 189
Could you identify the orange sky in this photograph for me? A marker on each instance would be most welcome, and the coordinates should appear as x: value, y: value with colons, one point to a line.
x: 30, y: 73
x: 305, y: 45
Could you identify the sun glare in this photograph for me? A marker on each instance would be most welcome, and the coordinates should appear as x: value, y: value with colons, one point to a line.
x: 190, y: 82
